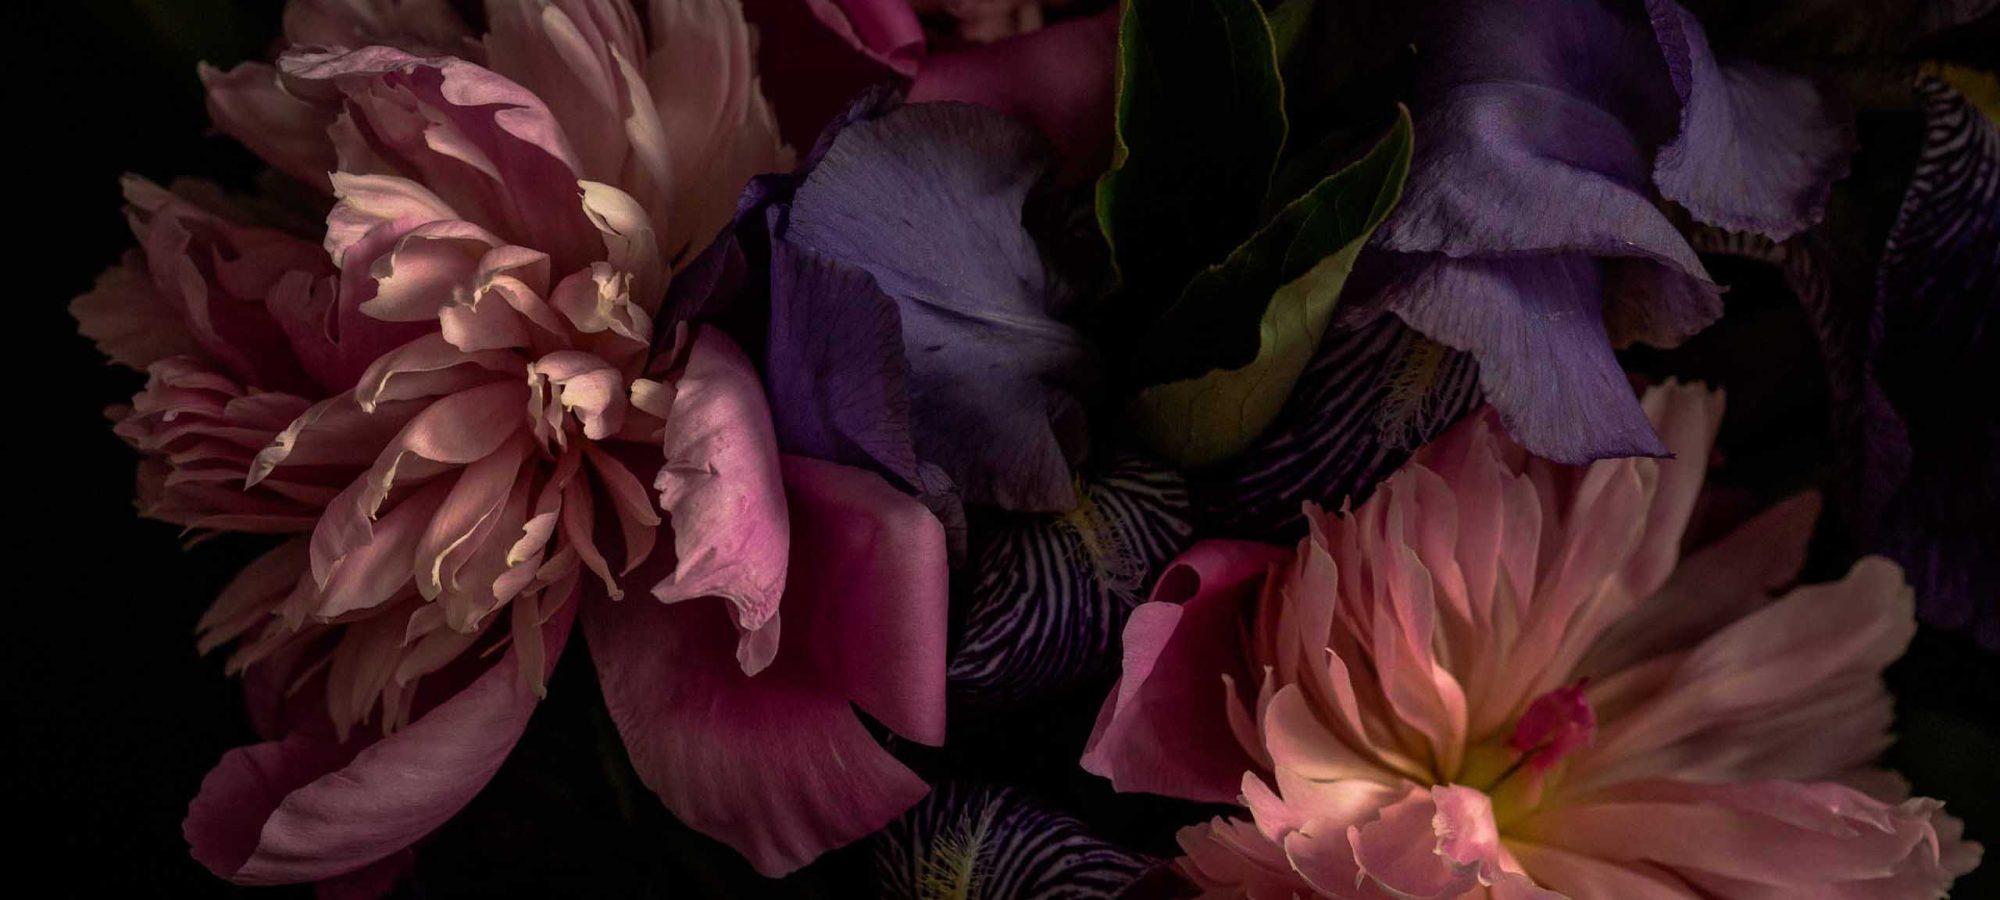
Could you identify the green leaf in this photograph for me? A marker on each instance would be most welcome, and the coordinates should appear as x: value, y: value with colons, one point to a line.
x: 1300, y: 261
x: 1288, y: 21
x: 1200, y: 125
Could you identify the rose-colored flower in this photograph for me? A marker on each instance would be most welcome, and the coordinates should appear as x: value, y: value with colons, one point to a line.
x: 468, y: 406
x: 1498, y: 678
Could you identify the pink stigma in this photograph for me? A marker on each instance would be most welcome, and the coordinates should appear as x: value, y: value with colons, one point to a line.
x: 1555, y: 724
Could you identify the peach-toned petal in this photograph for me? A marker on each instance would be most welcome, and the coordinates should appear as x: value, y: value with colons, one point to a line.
x: 1780, y: 834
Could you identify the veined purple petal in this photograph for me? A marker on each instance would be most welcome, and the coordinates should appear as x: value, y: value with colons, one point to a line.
x: 927, y: 200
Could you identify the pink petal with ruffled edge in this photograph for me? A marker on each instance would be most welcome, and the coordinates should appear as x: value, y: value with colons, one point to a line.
x: 720, y: 486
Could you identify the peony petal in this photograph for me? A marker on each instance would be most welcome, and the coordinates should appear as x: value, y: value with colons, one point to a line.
x: 251, y: 104
x: 720, y: 486
x: 488, y: 147
x: 777, y: 765
x: 877, y: 593
x: 304, y: 809
x: 1770, y: 660
x: 1782, y: 834
x: 1164, y: 728
x: 1432, y: 844
x: 1712, y: 588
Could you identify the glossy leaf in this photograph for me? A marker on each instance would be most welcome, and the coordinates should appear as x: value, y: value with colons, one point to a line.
x: 1200, y: 125
x: 1300, y: 262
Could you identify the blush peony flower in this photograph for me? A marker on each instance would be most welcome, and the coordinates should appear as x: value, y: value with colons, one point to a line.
x: 469, y: 407
x: 1498, y: 678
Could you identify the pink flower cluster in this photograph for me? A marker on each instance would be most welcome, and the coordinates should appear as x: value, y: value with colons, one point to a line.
x: 467, y: 405
x: 1499, y: 678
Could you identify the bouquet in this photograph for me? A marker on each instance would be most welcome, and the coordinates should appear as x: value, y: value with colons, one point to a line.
x: 1012, y: 449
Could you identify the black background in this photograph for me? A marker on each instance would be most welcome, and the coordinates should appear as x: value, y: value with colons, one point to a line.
x: 113, y: 719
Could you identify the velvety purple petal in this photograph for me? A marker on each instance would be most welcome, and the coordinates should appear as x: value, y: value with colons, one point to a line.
x: 1759, y: 148
x: 1536, y: 325
x: 1930, y: 464
x: 927, y: 199
x: 837, y: 378
x: 1536, y: 120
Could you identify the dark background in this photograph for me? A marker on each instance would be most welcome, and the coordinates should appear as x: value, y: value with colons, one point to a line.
x: 113, y: 719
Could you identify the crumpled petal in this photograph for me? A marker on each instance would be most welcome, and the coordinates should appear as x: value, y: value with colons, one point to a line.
x: 992, y: 371
x: 485, y: 145
x: 720, y: 487
x: 777, y: 765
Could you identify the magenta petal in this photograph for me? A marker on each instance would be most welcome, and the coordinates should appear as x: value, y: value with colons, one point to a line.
x: 777, y: 765
x: 1059, y: 78
x: 874, y: 593
x: 1165, y: 728
x: 293, y: 811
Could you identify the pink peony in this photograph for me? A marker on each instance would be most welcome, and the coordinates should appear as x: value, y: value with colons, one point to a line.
x: 1497, y: 678
x: 465, y: 404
